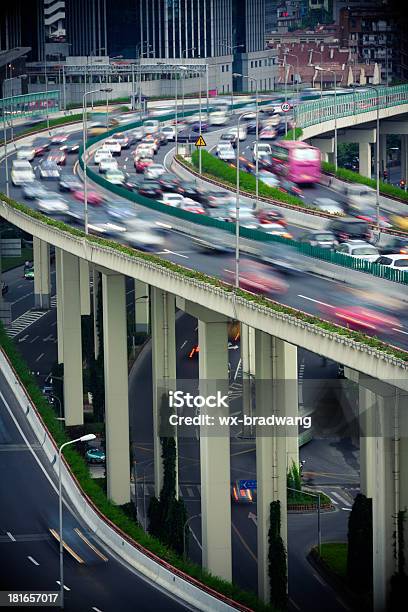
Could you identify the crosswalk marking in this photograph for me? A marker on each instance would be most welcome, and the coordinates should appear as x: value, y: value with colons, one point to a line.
x: 27, y: 319
x: 344, y: 501
x: 192, y: 491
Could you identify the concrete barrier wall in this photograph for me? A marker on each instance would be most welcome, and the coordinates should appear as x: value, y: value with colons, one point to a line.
x: 160, y: 574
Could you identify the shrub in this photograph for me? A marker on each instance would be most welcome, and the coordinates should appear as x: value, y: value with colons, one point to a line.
x: 277, y: 559
x: 360, y: 545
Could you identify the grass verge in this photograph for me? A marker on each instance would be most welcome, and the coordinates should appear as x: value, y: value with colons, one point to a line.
x: 8, y: 263
x: 302, y: 499
x: 334, y: 556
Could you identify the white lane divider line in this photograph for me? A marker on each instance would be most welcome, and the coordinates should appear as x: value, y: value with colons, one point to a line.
x: 33, y: 560
x: 96, y: 609
x: 12, y: 538
x: 340, y: 498
x: 400, y: 331
x: 65, y: 586
x: 313, y: 300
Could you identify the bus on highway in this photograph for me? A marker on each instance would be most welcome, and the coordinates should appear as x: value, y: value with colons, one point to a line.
x: 296, y: 161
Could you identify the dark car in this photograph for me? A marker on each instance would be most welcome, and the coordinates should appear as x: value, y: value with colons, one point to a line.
x: 394, y: 246
x: 251, y: 127
x: 190, y: 190
x: 71, y: 145
x: 196, y: 126
x: 169, y: 182
x: 320, y: 238
x: 132, y: 183
x: 150, y: 189
x: 162, y: 139
x: 33, y: 190
x: 349, y: 228
x: 41, y: 146
x: 187, y: 136
x: 69, y: 182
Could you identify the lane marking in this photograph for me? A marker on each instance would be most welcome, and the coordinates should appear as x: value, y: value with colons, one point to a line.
x: 67, y: 547
x: 320, y: 580
x: 183, y: 345
x: 96, y: 609
x: 400, y: 331
x: 12, y: 538
x: 244, y: 544
x: 40, y: 357
x: 294, y: 604
x: 348, y: 509
x: 167, y: 251
x: 65, y: 586
x: 33, y: 560
x: 91, y: 546
x: 34, y: 339
x: 316, y: 301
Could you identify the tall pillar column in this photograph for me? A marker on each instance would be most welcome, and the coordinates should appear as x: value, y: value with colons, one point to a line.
x: 404, y: 157
x: 116, y: 388
x: 287, y: 372
x: 42, y: 283
x: 141, y: 307
x: 96, y: 275
x: 60, y: 304
x: 271, y: 450
x: 248, y: 369
x: 364, y: 154
x: 163, y: 367
x: 215, y: 450
x: 383, y: 153
x: 72, y: 342
x: 85, y: 291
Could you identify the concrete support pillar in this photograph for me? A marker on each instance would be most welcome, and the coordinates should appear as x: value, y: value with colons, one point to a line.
x: 116, y: 388
x: 142, y: 315
x: 215, y: 451
x: 42, y: 283
x: 326, y: 147
x: 60, y: 305
x: 404, y: 156
x: 271, y: 450
x: 85, y: 291
x: 383, y: 153
x: 287, y: 370
x: 96, y: 275
x: 248, y: 368
x: 364, y: 153
x: 163, y: 367
x: 72, y: 342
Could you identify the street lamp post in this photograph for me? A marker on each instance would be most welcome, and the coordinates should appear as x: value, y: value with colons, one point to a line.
x: 297, y: 91
x: 252, y: 79
x: 46, y: 90
x: 5, y: 151
x: 184, y: 54
x: 190, y: 518
x: 237, y: 209
x: 85, y: 438
x: 232, y: 48
x: 183, y: 70
x: 377, y: 158
x: 139, y: 54
x: 320, y: 69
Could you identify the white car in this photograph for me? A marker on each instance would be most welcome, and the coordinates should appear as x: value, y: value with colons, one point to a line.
x: 143, y: 150
x: 218, y: 118
x: 151, y: 126
x: 172, y: 199
x: 102, y: 153
x: 113, y: 146
x: 242, y: 134
x: 115, y: 176
x: 108, y: 164
x: 49, y: 170
x: 399, y: 262
x: 154, y: 171
x: 137, y: 133
x: 261, y: 149
x: 52, y: 203
x: 169, y: 131
x: 225, y: 152
x: 27, y: 153
x: 268, y: 178
x: 329, y: 206
x: 21, y: 172
x: 358, y: 249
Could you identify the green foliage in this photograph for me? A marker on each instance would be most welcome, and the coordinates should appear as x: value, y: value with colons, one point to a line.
x: 96, y: 492
x: 296, y: 136
x: 277, y: 559
x: 294, y: 480
x: 360, y: 545
x: 191, y: 274
x: 215, y: 167
x: 346, y: 151
x: 334, y: 555
x: 348, y: 175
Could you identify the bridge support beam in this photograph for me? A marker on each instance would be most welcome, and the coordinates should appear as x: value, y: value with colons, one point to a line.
x: 215, y: 449
x: 142, y: 315
x: 325, y: 145
x: 116, y: 388
x: 85, y: 291
x: 42, y: 277
x: 364, y: 154
x: 404, y: 156
x: 60, y: 304
x: 163, y: 369
x: 96, y: 276
x: 248, y: 370
x: 383, y: 152
x: 275, y: 364
x: 72, y: 340
x: 383, y: 414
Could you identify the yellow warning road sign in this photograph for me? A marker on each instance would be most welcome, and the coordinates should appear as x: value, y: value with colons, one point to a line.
x: 200, y: 142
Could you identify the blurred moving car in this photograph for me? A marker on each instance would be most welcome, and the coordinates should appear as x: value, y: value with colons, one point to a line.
x: 102, y: 154
x: 69, y: 182
x: 268, y: 178
x: 172, y: 199
x: 319, y: 238
x: 169, y: 131
x: 169, y: 181
x: 362, y: 318
x: 141, y: 235
x: 49, y: 170
x: 214, y: 199
x: 115, y: 176
x: 154, y: 171
x: 41, y: 145
x: 151, y: 126
x: 349, y: 228
x: 29, y: 273
x: 93, y: 197
x: 399, y: 262
x: 225, y: 152
x: 358, y: 249
x: 284, y: 258
x: 59, y: 157
x: 33, y: 190
x: 141, y: 163
x: 27, y: 153
x: 150, y: 189
x: 71, y: 145
x: 258, y: 278
x: 211, y: 241
x: 246, y: 217
x: 400, y: 221
x: 21, y: 172
x: 106, y: 164
x: 328, y: 205
x: 52, y: 203
x: 95, y: 455
x: 113, y: 146
x: 268, y: 133
x: 244, y: 491
x: 191, y: 206
x: 122, y: 139
x: 270, y: 215
x: 367, y: 213
x: 229, y: 139
x: 291, y: 188
x: 260, y: 150
x: 395, y: 245
x: 58, y: 139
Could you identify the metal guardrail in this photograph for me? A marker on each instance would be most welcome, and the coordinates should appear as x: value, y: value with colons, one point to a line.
x: 318, y: 111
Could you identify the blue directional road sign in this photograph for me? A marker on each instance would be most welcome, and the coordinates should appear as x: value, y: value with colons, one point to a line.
x: 247, y: 484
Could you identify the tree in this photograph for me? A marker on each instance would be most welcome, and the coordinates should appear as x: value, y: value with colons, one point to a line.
x: 360, y: 545
x: 277, y: 560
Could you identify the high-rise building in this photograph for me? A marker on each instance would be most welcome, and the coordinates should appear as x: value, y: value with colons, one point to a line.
x: 22, y: 25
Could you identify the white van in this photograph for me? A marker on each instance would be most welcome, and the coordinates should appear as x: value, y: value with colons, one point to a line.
x: 21, y: 172
x: 218, y: 118
x: 243, y: 132
x: 151, y: 126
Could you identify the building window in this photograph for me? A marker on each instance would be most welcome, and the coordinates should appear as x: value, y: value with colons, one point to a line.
x: 222, y: 68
